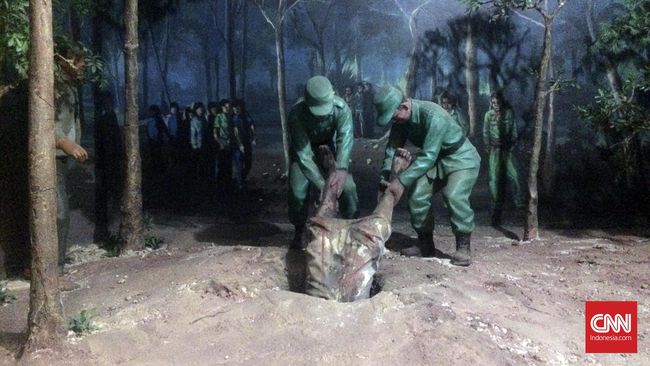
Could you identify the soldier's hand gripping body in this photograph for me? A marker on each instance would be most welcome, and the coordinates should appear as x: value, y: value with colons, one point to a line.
x: 343, y: 255
x: 447, y: 162
x: 321, y: 118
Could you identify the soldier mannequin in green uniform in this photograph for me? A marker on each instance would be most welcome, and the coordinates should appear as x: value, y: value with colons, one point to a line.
x: 321, y: 118
x: 447, y: 161
x: 499, y: 136
x: 449, y: 102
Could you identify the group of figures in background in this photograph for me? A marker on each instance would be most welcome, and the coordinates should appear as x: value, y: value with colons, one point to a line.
x: 214, y: 144
x: 359, y: 99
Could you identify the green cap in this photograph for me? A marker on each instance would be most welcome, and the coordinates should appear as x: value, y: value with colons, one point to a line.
x: 319, y: 95
x: 386, y: 100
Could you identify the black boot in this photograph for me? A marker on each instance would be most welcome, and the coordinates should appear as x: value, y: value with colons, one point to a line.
x: 297, y: 242
x: 462, y: 257
x: 496, y: 217
x: 424, y: 247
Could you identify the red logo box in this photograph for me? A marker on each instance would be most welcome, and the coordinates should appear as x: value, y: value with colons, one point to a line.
x: 611, y: 326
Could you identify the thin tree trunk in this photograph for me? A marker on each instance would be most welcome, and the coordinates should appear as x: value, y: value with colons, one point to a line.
x: 282, y: 89
x: 531, y: 231
x: 45, y: 319
x: 145, y: 72
x: 208, y: 77
x: 75, y: 27
x: 470, y: 76
x: 548, y: 173
x: 230, y: 52
x: 131, y: 231
x: 244, y: 53
x: 97, y: 42
x: 411, y: 70
x: 613, y: 78
x: 159, y: 63
x: 217, y: 78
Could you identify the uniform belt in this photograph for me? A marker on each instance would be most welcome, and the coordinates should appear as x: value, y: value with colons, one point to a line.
x: 453, y: 148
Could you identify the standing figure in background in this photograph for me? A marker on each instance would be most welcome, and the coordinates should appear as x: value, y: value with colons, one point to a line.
x: 244, y: 133
x: 357, y: 111
x: 499, y: 137
x: 109, y: 153
x: 222, y: 133
x: 213, y: 148
x: 449, y: 102
x: 348, y: 95
x: 173, y: 121
x: 67, y: 132
x: 368, y: 110
x: 159, y: 139
x: 321, y: 118
x: 196, y: 138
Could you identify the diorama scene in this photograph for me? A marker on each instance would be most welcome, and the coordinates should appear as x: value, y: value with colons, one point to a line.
x: 325, y: 182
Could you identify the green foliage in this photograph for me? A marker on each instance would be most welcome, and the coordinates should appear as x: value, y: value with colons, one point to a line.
x: 5, y: 296
x: 630, y: 32
x: 150, y: 241
x: 14, y: 40
x: 502, y: 8
x: 619, y: 122
x: 14, y: 37
x: 153, y: 242
x: 82, y: 323
x: 113, y: 245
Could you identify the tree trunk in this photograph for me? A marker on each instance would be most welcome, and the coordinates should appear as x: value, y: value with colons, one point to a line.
x: 411, y: 70
x: 471, y: 83
x: 131, y: 231
x: 145, y: 72
x: 282, y: 89
x: 613, y: 78
x: 207, y: 63
x: 45, y: 319
x: 548, y: 174
x: 244, y: 53
x: 158, y: 62
x: 217, y: 78
x: 230, y: 51
x: 97, y: 43
x: 75, y: 30
x: 531, y: 231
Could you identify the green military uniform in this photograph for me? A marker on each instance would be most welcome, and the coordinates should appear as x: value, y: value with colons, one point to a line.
x: 447, y: 162
x: 499, y: 136
x: 460, y: 120
x: 308, y: 131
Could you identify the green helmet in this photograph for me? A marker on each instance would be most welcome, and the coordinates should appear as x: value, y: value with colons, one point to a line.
x: 386, y: 100
x: 319, y: 95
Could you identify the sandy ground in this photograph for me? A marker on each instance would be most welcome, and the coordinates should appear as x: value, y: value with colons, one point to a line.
x: 224, y: 289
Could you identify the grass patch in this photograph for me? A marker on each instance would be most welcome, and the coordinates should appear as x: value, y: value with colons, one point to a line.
x: 153, y: 242
x: 5, y: 296
x: 82, y: 323
x: 112, y: 245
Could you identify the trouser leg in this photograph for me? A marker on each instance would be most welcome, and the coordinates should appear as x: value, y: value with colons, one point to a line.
x: 513, y: 180
x: 420, y: 205
x: 298, y: 195
x: 62, y: 208
x: 456, y: 193
x: 248, y: 160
